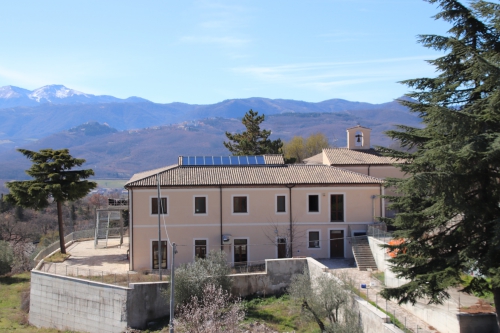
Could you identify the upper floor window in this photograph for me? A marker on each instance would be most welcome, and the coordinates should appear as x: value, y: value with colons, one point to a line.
x: 240, y: 204
x: 337, y: 208
x: 200, y: 205
x: 280, y: 204
x: 154, y: 206
x: 313, y: 203
x: 200, y: 248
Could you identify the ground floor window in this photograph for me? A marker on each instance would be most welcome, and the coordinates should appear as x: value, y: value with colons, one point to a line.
x: 200, y: 248
x: 314, y: 239
x: 163, y: 254
x: 240, y: 250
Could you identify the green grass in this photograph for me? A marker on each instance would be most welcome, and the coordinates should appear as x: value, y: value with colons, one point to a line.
x: 379, y: 276
x: 111, y: 183
x: 280, y: 314
x: 12, y: 317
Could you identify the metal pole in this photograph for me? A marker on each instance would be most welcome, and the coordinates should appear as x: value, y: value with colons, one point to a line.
x: 174, y: 251
x: 159, y: 225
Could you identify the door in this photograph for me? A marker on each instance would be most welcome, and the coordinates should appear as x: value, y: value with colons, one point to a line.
x: 336, y: 243
x: 281, y: 248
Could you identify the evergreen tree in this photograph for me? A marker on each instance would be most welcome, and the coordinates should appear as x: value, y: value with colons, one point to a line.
x: 52, y: 177
x: 253, y: 141
x: 449, y: 206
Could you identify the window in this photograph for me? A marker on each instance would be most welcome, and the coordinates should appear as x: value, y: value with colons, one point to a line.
x: 314, y: 203
x: 281, y: 204
x: 200, y: 205
x: 154, y: 206
x: 337, y: 208
x: 163, y: 254
x: 200, y: 248
x: 240, y: 250
x: 314, y: 239
x: 240, y: 205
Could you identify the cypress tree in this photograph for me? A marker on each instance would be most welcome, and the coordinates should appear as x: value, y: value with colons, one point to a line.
x: 449, y: 205
x: 253, y: 141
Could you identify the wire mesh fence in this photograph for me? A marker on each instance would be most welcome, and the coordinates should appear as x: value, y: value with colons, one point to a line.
x: 118, y: 279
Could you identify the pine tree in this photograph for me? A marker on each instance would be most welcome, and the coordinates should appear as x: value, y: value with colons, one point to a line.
x: 52, y: 177
x: 449, y: 206
x: 253, y: 141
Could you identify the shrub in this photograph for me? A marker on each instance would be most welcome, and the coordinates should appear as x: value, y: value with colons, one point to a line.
x: 6, y: 258
x: 192, y: 279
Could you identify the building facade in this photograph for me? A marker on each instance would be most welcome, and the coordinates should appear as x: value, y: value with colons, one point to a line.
x: 252, y: 208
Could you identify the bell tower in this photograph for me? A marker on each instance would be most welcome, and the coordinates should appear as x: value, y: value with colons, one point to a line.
x: 358, y: 137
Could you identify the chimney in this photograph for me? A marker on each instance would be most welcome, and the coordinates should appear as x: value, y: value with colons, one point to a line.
x: 358, y: 137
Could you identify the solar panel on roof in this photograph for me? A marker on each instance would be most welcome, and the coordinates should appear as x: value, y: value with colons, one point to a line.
x: 222, y: 160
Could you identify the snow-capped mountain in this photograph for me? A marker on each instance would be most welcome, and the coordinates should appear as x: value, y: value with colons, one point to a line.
x: 11, y: 96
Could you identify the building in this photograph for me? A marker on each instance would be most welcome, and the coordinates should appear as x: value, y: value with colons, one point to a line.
x: 257, y: 207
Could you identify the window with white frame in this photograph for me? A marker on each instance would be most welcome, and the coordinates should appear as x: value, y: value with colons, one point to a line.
x: 240, y: 204
x: 200, y: 248
x: 154, y: 206
x: 313, y: 239
x: 240, y: 250
x: 163, y: 254
x: 280, y: 204
x: 313, y: 203
x: 200, y: 205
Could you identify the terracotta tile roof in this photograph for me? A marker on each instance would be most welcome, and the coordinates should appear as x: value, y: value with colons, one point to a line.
x: 274, y: 159
x: 251, y: 175
x: 315, y: 159
x: 344, y: 156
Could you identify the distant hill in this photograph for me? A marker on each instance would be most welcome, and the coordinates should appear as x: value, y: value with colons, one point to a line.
x: 119, y: 137
x: 21, y: 125
x: 11, y: 96
x: 123, y: 153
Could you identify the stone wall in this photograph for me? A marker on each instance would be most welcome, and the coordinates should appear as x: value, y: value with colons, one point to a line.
x: 69, y: 303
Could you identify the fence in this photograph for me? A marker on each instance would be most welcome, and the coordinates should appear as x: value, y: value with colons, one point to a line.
x: 74, y: 236
x: 379, y: 232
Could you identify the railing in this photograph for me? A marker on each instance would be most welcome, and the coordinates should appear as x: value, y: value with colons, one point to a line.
x: 117, y: 279
x: 117, y: 202
x: 379, y: 232
x: 82, y: 234
x: 248, y: 267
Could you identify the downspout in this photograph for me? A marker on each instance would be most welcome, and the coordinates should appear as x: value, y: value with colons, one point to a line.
x: 382, y: 200
x: 131, y: 228
x: 221, y: 243
x: 290, y: 186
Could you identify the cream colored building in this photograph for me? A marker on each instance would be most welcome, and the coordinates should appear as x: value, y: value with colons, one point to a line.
x: 256, y: 208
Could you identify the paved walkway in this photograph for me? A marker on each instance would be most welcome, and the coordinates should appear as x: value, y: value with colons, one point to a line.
x: 112, y: 259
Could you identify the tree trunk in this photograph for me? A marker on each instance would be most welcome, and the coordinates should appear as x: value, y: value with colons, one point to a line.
x: 316, y: 318
x: 61, y: 227
x: 496, y: 299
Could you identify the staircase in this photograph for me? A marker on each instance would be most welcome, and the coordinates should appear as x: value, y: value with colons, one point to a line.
x: 362, y: 254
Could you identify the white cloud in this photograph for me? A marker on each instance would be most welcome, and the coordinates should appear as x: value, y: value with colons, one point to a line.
x: 322, y: 76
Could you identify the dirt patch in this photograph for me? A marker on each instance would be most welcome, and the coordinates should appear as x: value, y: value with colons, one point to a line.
x: 481, y: 306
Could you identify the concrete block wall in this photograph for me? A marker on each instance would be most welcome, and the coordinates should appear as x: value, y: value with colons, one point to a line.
x: 277, y: 277
x: 67, y: 303
x: 146, y: 302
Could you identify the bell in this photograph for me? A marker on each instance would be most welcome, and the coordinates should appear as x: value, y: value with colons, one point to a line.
x: 359, y: 138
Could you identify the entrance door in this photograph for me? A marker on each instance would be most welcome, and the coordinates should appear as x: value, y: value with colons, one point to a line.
x: 336, y: 243
x: 281, y: 248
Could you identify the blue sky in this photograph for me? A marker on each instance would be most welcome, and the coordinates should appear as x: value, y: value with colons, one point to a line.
x: 203, y: 52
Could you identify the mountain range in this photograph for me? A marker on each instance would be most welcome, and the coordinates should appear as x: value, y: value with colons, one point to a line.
x: 119, y: 137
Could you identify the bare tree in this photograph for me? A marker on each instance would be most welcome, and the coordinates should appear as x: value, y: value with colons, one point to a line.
x: 215, y: 312
x: 289, y: 232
